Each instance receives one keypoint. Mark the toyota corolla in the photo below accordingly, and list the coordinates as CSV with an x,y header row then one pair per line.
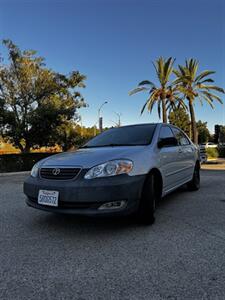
x,y
121,171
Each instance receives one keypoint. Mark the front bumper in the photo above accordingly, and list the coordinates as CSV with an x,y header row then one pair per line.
x,y
84,197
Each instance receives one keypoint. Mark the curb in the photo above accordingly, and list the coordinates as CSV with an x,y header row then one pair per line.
x,y
213,168
14,173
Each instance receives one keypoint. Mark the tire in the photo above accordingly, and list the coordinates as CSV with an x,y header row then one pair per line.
x,y
194,184
146,210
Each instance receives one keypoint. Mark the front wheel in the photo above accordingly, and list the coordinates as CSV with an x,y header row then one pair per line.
x,y
147,205
194,184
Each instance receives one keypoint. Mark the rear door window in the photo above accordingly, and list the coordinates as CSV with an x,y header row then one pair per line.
x,y
165,132
180,136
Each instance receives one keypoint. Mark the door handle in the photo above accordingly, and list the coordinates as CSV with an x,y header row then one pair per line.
x,y
180,151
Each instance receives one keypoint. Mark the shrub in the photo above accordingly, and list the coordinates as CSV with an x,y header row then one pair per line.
x,y
212,152
20,162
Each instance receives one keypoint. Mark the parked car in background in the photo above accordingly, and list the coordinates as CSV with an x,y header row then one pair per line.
x,y
122,171
207,149
203,154
209,145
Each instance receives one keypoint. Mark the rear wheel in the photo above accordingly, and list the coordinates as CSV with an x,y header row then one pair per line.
x,y
147,205
194,184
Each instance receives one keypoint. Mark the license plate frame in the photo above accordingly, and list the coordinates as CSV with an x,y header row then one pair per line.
x,y
49,198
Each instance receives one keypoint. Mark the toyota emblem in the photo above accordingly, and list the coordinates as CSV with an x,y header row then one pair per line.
x,y
56,172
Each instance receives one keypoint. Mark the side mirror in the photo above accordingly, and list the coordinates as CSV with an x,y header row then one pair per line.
x,y
167,142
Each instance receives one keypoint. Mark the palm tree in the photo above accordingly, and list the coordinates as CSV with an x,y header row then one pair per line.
x,y
195,86
162,95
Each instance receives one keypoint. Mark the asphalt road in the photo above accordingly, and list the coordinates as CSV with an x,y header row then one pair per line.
x,y
182,256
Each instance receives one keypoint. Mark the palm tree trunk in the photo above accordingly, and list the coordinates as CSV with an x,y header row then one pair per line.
x,y
164,110
193,123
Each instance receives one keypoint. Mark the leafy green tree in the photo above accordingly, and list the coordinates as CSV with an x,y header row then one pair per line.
x,y
163,94
180,118
87,132
68,136
35,101
203,132
196,86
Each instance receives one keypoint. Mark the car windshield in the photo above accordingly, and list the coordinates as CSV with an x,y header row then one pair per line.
x,y
124,136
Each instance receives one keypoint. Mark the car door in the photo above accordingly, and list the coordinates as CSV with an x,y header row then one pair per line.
x,y
186,155
168,157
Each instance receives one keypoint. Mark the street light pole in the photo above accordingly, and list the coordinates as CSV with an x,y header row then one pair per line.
x,y
119,118
99,116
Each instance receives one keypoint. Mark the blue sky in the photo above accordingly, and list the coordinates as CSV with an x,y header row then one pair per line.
x,y
114,42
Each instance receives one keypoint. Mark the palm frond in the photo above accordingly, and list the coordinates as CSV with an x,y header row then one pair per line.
x,y
212,96
203,75
181,103
177,73
208,100
144,106
137,90
159,69
150,104
168,68
206,80
191,68
146,82
177,102
182,70
195,86
184,80
182,89
164,68
212,87
200,100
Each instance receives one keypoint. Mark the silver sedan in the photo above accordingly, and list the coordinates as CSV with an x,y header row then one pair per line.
x,y
122,171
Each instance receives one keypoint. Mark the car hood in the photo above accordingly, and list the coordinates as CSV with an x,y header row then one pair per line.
x,y
89,157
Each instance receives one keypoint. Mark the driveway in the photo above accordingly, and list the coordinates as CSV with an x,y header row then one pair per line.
x,y
182,256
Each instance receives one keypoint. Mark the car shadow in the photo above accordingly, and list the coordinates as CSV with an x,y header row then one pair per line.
x,y
66,224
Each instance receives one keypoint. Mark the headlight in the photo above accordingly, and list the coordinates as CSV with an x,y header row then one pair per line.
x,y
110,168
34,171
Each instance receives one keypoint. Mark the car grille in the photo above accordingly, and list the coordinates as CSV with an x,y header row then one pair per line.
x,y
59,173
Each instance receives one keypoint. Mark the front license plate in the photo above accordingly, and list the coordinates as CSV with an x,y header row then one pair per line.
x,y
48,197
